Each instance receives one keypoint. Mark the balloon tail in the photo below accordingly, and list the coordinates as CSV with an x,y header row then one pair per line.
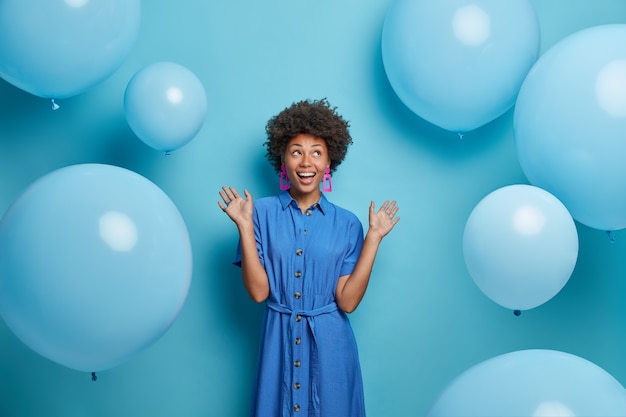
x,y
517,312
55,106
460,135
611,236
167,153
94,377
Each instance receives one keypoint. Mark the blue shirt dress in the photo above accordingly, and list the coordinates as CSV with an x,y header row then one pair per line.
x,y
308,362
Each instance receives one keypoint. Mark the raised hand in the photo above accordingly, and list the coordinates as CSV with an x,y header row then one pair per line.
x,y
383,220
238,208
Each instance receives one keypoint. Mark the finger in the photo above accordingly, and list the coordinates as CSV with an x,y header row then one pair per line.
x,y
234,193
386,207
226,194
222,206
247,194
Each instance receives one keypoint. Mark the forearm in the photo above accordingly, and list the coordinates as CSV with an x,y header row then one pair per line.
x,y
253,274
350,294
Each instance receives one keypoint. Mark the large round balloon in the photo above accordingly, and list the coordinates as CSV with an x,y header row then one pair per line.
x,y
569,124
165,105
57,49
532,382
520,246
95,265
459,64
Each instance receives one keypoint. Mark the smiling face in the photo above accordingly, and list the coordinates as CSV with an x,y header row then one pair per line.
x,y
306,159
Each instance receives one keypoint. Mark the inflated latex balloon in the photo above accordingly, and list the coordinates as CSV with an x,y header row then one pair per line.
x,y
520,246
569,124
165,105
58,49
535,382
459,64
95,265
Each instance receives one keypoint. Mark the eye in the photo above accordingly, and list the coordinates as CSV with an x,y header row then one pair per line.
x,y
296,153
317,153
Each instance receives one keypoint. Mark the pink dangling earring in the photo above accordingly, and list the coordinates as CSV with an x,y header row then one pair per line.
x,y
284,180
327,184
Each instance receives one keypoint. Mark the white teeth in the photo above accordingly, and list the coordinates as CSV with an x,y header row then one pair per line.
x,y
306,174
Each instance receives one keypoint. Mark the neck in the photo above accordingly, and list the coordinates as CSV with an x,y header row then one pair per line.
x,y
306,200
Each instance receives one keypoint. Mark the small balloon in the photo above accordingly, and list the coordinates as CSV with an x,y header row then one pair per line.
x,y
95,265
520,246
165,105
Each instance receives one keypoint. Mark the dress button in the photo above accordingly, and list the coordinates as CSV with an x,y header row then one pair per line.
x,y
298,274
297,295
296,408
305,231
296,385
299,252
298,317
297,364
308,212
298,340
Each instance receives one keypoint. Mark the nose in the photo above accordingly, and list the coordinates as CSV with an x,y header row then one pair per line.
x,y
305,161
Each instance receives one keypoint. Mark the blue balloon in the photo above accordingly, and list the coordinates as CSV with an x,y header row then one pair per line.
x,y
533,382
165,105
569,124
58,49
459,64
95,265
520,246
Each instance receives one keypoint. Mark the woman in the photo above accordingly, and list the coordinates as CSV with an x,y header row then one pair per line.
x,y
308,260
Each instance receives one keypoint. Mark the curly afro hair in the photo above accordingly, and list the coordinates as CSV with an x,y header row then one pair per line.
x,y
317,118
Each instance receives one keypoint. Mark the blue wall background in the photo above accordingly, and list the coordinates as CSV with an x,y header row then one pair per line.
x,y
423,320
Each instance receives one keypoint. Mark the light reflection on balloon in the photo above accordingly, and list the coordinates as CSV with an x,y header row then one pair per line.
x,y
471,25
611,88
118,231
76,3
174,95
553,409
528,220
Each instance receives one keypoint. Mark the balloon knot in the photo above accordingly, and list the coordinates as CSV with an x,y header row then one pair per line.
x,y
611,236
55,106
94,377
460,135
517,312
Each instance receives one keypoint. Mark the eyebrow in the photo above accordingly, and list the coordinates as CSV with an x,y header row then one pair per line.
x,y
300,145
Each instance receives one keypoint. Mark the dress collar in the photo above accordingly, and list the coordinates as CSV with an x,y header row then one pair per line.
x,y
286,199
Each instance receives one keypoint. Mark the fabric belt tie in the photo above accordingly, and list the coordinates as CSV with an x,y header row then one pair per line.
x,y
288,366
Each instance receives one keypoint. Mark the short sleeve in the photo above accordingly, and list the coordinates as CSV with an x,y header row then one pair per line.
x,y
355,244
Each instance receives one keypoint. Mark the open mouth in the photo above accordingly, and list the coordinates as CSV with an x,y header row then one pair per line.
x,y
306,177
